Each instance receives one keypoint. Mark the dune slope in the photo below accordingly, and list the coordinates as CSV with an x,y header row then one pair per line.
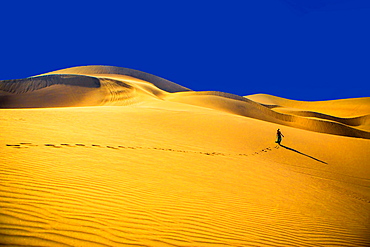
x,y
97,70
354,127
139,165
108,85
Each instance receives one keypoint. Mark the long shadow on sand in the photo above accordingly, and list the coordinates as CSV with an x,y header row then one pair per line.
x,y
291,149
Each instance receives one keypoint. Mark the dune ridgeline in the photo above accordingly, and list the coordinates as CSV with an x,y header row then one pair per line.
x,y
110,156
107,85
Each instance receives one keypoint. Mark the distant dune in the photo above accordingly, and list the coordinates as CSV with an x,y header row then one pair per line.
x,y
108,156
108,85
100,71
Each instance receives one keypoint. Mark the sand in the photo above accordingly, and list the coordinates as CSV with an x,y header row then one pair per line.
x,y
110,159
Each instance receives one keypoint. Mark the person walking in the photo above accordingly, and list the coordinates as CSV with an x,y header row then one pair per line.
x,y
279,136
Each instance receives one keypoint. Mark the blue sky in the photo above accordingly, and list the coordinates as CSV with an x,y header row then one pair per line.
x,y
297,49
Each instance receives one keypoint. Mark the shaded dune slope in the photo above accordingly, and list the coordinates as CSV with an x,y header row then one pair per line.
x,y
345,108
108,85
65,90
245,107
97,70
19,86
49,91
353,112
354,121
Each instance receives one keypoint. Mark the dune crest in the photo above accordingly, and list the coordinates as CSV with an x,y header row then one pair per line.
x,y
354,127
109,85
97,70
345,108
147,162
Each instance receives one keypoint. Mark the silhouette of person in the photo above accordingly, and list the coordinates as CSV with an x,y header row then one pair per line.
x,y
279,136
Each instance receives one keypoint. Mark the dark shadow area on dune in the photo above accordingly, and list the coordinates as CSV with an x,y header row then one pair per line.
x,y
291,149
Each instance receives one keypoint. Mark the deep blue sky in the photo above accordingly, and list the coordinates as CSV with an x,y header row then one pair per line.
x,y
297,49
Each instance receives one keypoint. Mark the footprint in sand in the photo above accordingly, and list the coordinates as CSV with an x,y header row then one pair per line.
x,y
52,145
22,145
28,144
15,146
112,147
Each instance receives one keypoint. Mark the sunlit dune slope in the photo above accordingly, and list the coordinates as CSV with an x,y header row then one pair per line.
x,y
108,85
100,71
355,127
147,162
74,90
350,112
345,108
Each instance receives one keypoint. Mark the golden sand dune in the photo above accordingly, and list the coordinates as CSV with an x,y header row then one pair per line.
x,y
350,112
73,89
354,127
150,163
118,71
340,108
108,85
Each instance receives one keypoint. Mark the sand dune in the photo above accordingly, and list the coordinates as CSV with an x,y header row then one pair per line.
x,y
345,108
248,108
72,90
49,91
108,85
147,162
112,70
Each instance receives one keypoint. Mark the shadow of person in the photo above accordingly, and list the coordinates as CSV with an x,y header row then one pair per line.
x,y
291,149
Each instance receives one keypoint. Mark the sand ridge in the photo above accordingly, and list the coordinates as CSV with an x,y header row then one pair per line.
x,y
108,85
96,70
354,127
129,162
344,108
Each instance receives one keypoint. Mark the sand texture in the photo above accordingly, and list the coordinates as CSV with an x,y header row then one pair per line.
x,y
108,156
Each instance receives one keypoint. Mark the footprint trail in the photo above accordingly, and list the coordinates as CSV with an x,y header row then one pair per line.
x,y
81,145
